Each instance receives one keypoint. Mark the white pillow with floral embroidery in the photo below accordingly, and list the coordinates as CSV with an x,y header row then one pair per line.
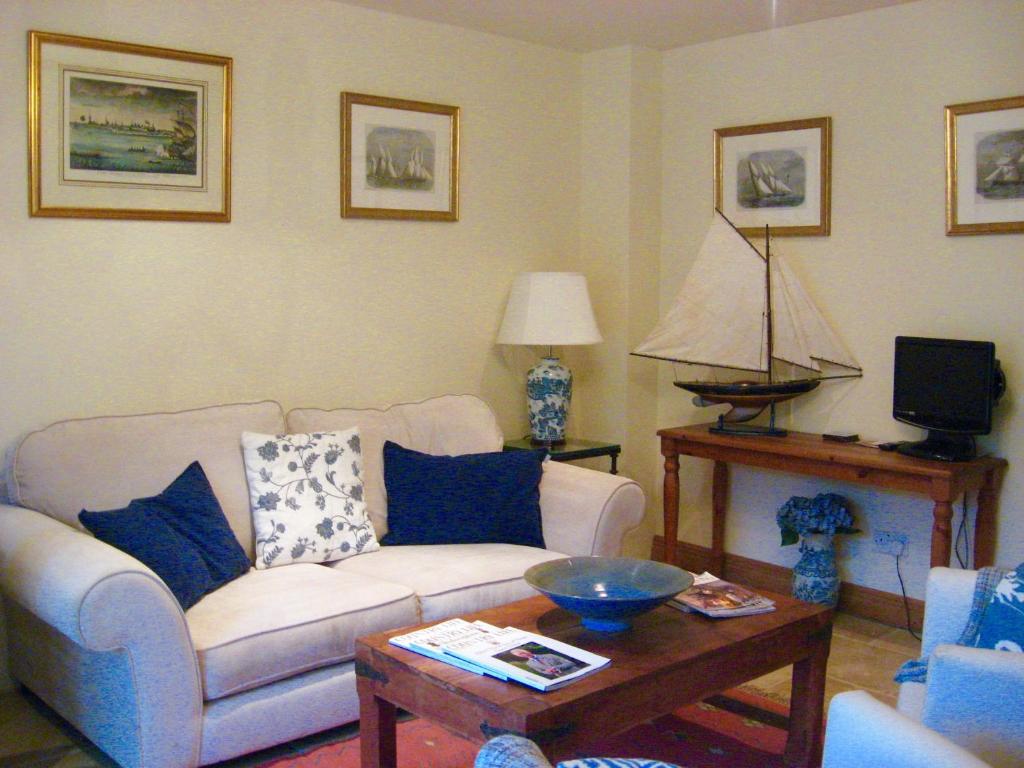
x,y
306,493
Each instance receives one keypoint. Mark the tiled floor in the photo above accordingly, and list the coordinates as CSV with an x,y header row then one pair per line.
x,y
864,656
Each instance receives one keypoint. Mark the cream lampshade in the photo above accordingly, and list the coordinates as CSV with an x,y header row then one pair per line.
x,y
549,309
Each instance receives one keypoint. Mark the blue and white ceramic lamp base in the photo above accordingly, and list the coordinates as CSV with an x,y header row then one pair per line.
x,y
548,394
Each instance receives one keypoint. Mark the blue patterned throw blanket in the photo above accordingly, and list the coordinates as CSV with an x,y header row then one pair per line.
x,y
916,670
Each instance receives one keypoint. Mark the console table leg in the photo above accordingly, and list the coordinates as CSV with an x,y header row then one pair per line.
x,y
719,501
670,503
985,523
942,533
377,734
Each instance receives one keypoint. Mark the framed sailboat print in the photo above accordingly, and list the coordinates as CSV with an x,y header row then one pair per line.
x,y
399,159
123,131
985,167
776,174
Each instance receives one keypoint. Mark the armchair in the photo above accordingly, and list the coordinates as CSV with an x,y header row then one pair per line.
x,y
863,731
968,714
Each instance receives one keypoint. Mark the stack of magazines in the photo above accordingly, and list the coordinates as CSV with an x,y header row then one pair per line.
x,y
713,597
507,654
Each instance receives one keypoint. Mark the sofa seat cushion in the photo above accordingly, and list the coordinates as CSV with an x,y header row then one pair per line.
x,y
271,624
911,700
453,579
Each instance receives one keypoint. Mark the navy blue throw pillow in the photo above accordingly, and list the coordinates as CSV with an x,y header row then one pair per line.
x,y
181,534
190,507
142,532
476,498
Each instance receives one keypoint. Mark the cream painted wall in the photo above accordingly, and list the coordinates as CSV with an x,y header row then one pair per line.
x,y
887,268
289,301
619,218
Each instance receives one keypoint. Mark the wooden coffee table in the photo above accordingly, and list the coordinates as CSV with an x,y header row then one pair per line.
x,y
666,660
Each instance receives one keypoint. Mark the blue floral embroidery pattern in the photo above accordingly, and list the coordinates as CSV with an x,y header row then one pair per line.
x,y
1002,625
313,485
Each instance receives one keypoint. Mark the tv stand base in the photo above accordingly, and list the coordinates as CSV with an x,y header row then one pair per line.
x,y
941,446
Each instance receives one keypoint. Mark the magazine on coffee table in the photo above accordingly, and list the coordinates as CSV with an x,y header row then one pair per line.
x,y
714,597
534,660
430,642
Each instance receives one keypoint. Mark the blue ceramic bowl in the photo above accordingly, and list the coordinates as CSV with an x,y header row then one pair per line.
x,y
607,592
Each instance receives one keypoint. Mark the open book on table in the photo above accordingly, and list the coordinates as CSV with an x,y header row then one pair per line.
x,y
714,597
508,654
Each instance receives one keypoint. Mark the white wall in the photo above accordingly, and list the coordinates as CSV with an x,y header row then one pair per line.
x,y
619,234
887,268
289,300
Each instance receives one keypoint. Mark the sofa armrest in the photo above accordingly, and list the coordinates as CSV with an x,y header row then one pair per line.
x,y
586,512
948,597
974,697
863,731
108,604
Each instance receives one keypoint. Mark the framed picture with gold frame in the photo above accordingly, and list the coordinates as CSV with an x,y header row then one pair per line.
x,y
399,159
985,167
124,131
776,174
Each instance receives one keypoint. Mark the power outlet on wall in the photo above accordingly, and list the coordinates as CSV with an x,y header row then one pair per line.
x,y
891,543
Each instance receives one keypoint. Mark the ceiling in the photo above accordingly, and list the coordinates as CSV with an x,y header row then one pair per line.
x,y
590,25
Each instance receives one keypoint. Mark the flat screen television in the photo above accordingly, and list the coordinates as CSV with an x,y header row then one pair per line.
x,y
948,387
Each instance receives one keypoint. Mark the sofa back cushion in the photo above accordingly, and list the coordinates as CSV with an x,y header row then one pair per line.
x,y
446,425
105,462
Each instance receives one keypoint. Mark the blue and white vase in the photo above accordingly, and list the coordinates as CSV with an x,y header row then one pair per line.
x,y
815,578
548,392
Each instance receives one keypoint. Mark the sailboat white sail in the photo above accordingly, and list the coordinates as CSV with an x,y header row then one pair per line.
x,y
741,310
1006,171
717,318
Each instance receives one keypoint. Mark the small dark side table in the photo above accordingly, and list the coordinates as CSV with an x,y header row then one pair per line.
x,y
571,450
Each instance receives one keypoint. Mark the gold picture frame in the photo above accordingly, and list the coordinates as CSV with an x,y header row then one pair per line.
x,y
399,159
985,167
776,174
124,131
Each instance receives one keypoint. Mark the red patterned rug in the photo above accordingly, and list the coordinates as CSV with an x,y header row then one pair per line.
x,y
695,736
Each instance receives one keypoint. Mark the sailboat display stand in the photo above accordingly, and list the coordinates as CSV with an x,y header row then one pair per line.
x,y
723,427
741,310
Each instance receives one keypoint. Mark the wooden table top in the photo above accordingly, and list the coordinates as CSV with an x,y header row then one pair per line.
x,y
803,445
666,649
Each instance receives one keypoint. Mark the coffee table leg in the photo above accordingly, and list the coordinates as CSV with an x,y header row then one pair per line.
x,y
807,709
376,732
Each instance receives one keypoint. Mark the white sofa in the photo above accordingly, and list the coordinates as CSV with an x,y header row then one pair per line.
x,y
268,657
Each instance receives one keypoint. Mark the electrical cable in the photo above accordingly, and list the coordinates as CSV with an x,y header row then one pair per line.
x,y
906,601
962,534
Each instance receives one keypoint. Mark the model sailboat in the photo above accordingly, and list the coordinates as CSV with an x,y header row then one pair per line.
x,y
745,311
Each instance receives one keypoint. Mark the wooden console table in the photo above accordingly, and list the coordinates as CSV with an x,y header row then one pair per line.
x,y
807,454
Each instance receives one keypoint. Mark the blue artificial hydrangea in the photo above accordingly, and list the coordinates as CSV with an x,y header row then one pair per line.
x,y
825,513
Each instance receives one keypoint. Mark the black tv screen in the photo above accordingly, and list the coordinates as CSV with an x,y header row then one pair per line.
x,y
944,384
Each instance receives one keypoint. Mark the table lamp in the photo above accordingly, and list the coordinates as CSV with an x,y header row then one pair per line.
x,y
549,309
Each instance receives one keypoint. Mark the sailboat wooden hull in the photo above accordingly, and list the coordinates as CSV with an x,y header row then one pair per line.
x,y
748,394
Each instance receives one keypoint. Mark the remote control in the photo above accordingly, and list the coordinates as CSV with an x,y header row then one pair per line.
x,y
890,446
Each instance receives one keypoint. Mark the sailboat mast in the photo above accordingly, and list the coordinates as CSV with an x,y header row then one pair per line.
x,y
768,299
